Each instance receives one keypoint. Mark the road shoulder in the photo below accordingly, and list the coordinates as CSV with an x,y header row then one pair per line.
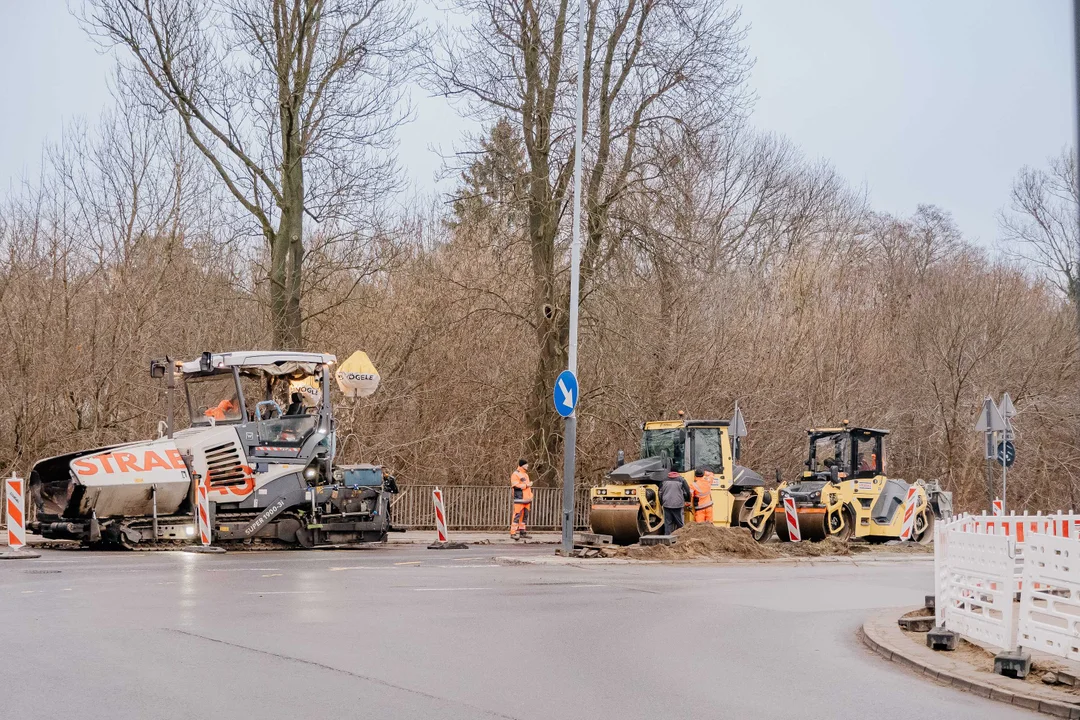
x,y
881,634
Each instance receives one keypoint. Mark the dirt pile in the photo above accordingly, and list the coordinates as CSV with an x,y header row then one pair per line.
x,y
828,546
700,541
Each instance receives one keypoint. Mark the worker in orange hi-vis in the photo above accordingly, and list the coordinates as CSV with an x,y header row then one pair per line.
x,y
523,495
702,492
224,410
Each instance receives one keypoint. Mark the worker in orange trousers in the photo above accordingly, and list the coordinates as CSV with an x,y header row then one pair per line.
x,y
523,495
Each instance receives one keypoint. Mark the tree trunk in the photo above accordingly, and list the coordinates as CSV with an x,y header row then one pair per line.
x,y
549,309
286,256
545,432
287,260
279,256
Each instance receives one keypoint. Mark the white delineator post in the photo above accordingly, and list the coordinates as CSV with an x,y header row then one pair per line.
x,y
792,517
440,515
16,512
205,531
909,513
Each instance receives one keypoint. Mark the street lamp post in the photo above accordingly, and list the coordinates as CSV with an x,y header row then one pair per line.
x,y
570,428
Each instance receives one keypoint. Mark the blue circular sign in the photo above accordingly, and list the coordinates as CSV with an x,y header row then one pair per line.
x,y
566,393
1006,453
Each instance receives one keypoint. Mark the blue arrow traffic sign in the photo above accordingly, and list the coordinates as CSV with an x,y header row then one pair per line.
x,y
1006,453
566,393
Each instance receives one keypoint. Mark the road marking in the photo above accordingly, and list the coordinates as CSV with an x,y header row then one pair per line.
x,y
273,575
448,589
587,586
287,592
413,562
463,567
361,567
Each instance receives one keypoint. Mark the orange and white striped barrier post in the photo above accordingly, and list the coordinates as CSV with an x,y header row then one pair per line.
x,y
206,533
791,515
16,513
999,508
15,508
909,513
203,526
440,515
442,541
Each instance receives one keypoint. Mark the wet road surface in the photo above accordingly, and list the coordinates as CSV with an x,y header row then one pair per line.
x,y
404,632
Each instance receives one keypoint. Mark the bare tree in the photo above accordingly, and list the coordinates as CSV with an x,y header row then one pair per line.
x,y
1042,221
292,102
654,69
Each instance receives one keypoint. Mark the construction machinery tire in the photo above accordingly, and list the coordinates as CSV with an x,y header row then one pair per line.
x,y
767,531
923,532
843,534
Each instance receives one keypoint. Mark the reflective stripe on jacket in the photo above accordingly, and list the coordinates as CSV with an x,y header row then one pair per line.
x,y
703,491
522,486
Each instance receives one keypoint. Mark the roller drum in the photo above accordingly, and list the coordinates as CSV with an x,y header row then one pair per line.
x,y
621,522
811,525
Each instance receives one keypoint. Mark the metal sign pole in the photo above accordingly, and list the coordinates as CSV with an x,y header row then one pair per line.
x,y
570,432
1008,412
1076,73
1004,474
991,422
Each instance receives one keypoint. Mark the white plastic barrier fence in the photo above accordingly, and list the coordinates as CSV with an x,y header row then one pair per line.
x,y
981,564
941,577
1050,600
977,588
15,502
1018,527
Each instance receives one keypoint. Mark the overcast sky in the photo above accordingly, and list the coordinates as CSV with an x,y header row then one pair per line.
x,y
918,101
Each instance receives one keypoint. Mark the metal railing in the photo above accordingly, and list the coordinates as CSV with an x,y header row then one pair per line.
x,y
473,507
476,507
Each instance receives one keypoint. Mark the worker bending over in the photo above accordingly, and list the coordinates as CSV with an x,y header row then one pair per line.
x,y
523,495
674,495
702,493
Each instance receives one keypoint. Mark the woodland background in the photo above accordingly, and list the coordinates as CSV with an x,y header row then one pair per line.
x,y
722,266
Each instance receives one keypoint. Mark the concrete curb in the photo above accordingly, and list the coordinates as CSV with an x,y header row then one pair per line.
x,y
862,559
898,648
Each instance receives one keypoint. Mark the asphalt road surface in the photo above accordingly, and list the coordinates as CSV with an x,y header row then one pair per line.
x,y
404,632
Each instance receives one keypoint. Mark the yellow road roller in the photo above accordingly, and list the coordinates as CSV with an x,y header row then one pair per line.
x,y
627,505
845,491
